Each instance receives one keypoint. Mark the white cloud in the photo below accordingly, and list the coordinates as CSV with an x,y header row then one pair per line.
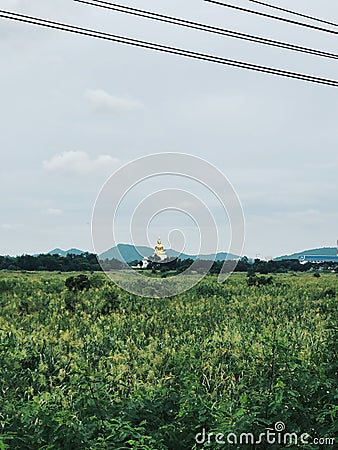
x,y
6,226
101,101
79,162
54,212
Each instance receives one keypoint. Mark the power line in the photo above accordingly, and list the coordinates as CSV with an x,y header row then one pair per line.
x,y
203,27
295,13
162,48
269,16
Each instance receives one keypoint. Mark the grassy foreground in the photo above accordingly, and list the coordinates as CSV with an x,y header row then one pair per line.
x,y
104,369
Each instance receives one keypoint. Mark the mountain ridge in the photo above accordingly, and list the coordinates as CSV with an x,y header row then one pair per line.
x,y
71,251
321,251
129,253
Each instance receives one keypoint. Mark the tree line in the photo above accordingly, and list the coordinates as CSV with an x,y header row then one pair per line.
x,y
89,262
47,262
245,265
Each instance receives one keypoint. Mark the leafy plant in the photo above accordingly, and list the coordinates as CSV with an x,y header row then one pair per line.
x,y
77,283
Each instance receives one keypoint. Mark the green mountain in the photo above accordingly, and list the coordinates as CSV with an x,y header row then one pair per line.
x,y
71,251
324,251
128,253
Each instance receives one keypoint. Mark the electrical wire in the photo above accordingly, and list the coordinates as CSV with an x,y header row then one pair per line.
x,y
269,16
295,13
203,27
162,48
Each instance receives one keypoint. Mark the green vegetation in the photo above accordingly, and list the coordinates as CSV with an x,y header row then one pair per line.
x,y
99,368
88,262
70,262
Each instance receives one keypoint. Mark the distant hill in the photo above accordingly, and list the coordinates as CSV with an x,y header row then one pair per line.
x,y
128,253
220,256
324,251
71,251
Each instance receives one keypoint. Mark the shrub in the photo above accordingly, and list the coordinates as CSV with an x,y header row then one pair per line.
x,y
77,283
254,280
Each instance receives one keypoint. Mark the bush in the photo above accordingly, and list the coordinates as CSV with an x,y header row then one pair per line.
x,y
254,280
111,301
77,283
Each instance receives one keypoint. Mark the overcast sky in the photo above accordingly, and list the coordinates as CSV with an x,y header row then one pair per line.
x,y
74,109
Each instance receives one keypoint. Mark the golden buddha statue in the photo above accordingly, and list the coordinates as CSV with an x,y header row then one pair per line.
x,y
159,249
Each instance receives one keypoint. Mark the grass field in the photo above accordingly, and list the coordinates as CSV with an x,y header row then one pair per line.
x,y
105,369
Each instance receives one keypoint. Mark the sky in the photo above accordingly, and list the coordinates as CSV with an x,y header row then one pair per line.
x,y
75,109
